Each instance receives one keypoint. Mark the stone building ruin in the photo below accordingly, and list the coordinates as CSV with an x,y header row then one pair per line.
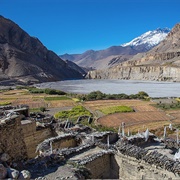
x,y
36,143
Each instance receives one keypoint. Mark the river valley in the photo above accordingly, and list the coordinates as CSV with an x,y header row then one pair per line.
x,y
153,88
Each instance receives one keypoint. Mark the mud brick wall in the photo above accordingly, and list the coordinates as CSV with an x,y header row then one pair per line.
x,y
100,167
33,137
64,143
131,168
12,140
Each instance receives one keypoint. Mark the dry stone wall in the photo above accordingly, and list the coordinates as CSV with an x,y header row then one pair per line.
x,y
152,165
34,139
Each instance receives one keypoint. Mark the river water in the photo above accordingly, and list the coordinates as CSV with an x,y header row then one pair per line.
x,y
153,88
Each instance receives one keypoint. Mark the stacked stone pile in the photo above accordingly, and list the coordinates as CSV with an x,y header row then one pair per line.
x,y
140,140
171,143
8,107
7,172
7,122
102,134
153,158
104,146
131,150
41,117
66,152
43,162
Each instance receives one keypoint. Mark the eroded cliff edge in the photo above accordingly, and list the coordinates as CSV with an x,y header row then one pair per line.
x,y
153,73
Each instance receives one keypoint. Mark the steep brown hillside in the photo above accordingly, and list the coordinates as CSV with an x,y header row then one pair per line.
x,y
25,59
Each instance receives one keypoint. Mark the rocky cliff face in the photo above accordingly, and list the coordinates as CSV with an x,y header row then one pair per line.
x,y
153,73
162,63
26,59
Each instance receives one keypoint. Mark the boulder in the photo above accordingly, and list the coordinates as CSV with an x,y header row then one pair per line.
x,y
12,173
5,157
24,175
3,172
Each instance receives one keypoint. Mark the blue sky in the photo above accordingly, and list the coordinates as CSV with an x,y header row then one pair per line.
x,y
74,26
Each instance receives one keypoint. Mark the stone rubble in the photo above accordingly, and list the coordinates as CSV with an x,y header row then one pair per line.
x,y
171,143
11,173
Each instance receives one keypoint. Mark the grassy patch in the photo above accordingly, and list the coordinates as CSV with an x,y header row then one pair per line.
x,y
116,109
73,113
10,93
4,103
35,110
76,99
55,98
167,106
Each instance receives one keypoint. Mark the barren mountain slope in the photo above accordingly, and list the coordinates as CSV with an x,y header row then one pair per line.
x,y
95,59
116,54
26,59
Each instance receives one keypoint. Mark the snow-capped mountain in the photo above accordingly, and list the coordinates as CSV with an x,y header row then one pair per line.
x,y
116,54
149,39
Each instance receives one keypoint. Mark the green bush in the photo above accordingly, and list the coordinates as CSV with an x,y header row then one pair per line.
x,y
42,109
95,95
36,91
54,92
98,95
21,87
166,106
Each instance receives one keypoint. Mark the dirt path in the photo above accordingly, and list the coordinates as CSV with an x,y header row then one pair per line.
x,y
53,111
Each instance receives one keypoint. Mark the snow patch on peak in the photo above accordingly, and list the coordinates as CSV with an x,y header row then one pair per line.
x,y
150,38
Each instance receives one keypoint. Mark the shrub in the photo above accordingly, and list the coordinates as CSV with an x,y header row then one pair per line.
x,y
36,91
95,95
54,91
42,109
98,95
